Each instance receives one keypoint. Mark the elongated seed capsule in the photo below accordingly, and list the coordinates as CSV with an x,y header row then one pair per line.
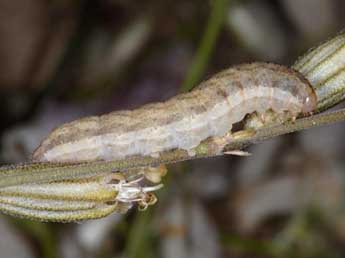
x,y
185,120
99,211
96,189
62,201
33,203
324,67
77,199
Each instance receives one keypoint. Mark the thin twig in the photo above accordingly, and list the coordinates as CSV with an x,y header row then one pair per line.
x,y
48,172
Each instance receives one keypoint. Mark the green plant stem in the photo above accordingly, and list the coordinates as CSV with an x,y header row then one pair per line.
x,y
138,237
42,232
208,41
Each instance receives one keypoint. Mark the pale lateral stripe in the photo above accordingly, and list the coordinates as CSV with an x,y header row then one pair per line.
x,y
185,126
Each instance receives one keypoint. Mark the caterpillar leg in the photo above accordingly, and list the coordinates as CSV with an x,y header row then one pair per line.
x,y
238,153
258,120
245,133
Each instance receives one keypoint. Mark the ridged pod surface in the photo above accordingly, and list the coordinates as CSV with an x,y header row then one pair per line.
x,y
324,67
72,200
63,201
99,211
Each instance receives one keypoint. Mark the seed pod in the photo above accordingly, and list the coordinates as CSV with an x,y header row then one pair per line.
x,y
99,211
77,199
324,67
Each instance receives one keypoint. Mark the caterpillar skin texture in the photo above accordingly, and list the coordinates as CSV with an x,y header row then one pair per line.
x,y
184,120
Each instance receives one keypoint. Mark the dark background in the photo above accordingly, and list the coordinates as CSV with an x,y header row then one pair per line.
x,y
60,60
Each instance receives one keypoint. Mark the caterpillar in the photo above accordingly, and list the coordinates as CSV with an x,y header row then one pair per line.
x,y
182,122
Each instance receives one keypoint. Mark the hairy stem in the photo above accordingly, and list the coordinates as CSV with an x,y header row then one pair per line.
x,y
48,172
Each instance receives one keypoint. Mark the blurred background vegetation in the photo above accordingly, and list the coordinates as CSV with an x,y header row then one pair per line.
x,y
60,60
